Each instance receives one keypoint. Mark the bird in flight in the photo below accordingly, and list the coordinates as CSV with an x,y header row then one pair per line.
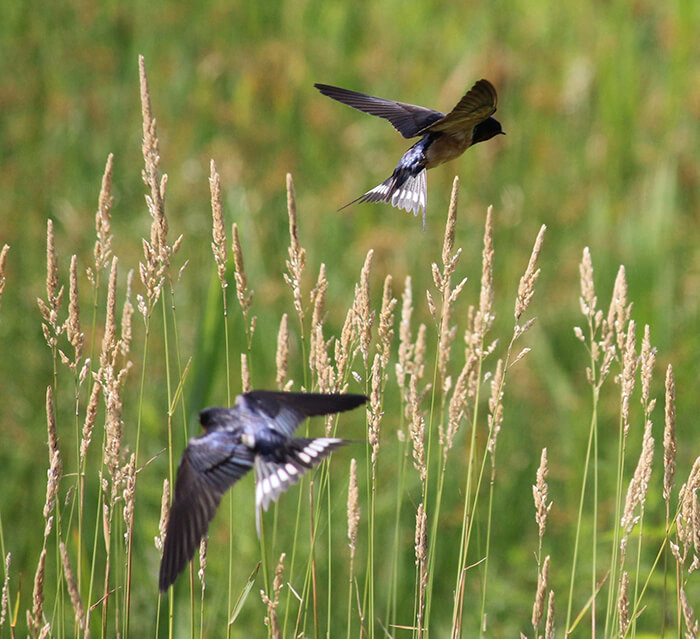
x,y
444,138
256,432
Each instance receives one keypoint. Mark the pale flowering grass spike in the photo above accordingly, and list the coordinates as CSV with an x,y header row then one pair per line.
x,y
670,444
538,606
102,250
5,598
3,263
272,602
296,262
218,228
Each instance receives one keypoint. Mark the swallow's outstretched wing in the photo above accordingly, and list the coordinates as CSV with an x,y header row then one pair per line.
x,y
210,465
408,119
284,411
478,104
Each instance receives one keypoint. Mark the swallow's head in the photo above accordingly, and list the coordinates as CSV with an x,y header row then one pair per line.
x,y
215,418
486,130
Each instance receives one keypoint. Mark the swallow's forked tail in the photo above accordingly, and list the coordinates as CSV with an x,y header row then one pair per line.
x,y
410,194
274,476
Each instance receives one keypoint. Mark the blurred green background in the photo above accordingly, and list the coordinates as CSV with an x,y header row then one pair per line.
x,y
600,102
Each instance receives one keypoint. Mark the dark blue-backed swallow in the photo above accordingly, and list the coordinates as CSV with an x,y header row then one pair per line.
x,y
444,138
258,431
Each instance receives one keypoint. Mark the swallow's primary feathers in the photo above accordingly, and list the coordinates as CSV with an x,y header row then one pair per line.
x,y
444,137
257,432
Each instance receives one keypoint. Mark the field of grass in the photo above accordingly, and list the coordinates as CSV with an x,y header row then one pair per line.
x,y
469,380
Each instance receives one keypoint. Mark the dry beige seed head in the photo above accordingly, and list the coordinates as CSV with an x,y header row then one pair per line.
x,y
421,551
526,288
218,231
318,298
72,324
129,496
114,425
271,620
109,339
623,604
52,484
669,435
495,418
150,147
89,424
648,360
588,299
246,385
362,308
688,518
36,618
164,513
156,250
416,427
419,350
540,492
245,297
421,535
446,332
353,508
619,312
127,316
202,562
549,624
638,487
51,264
484,316
374,410
103,219
629,369
77,602
282,353
318,304
297,255
344,347
51,423
3,262
538,605
320,362
606,347
457,408
54,295
691,624
451,225
386,323
5,590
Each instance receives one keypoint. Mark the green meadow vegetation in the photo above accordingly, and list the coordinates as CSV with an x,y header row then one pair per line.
x,y
528,463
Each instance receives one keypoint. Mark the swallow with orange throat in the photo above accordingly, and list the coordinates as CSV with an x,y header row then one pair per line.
x,y
444,137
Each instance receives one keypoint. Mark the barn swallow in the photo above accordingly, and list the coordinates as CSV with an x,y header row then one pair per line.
x,y
444,138
258,431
